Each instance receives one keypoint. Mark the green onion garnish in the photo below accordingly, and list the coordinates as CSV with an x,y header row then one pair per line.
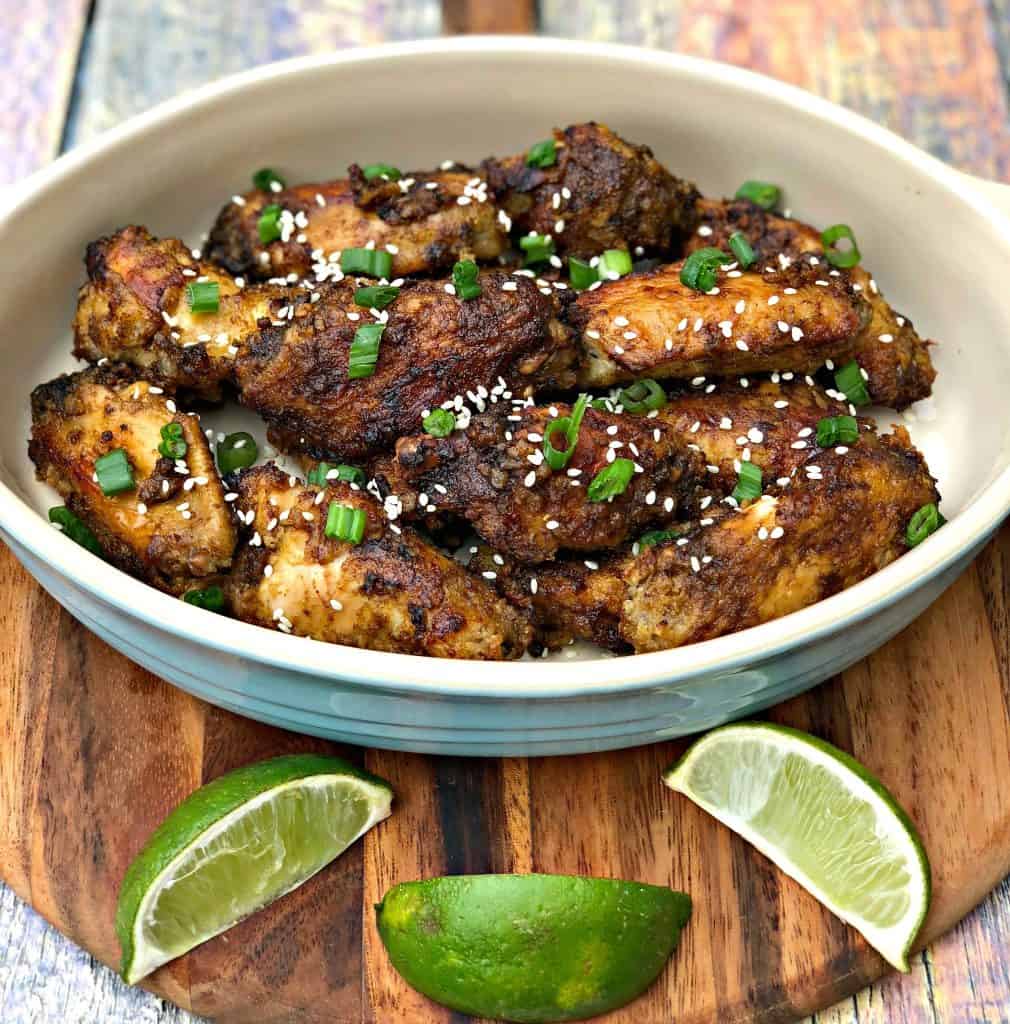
x,y
264,179
345,523
173,445
385,171
364,351
614,263
542,154
236,451
837,430
741,249
838,257
269,223
75,529
115,474
926,521
748,484
439,423
642,396
203,296
320,476
373,262
581,274
611,481
211,599
657,537
558,458
849,380
464,280
699,269
538,248
375,296
761,193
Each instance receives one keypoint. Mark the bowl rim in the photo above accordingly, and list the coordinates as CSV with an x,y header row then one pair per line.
x,y
530,680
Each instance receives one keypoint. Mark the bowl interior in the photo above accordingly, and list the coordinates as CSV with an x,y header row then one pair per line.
x,y
938,259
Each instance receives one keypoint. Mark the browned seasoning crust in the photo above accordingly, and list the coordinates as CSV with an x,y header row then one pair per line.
x,y
427,226
391,592
900,370
618,195
81,416
494,475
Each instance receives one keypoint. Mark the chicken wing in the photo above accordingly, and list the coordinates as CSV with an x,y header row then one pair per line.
x,y
494,475
174,527
651,324
601,193
390,592
427,221
888,348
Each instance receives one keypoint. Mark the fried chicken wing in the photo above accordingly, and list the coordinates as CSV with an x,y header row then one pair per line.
x,y
494,475
888,348
390,592
601,193
427,221
174,529
651,324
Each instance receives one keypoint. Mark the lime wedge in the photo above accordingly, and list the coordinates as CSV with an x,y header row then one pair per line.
x,y
822,818
236,845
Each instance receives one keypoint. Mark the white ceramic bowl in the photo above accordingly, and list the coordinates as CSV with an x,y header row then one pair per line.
x,y
938,241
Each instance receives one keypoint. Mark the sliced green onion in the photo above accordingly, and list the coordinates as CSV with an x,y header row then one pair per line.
x,y
761,193
611,481
439,423
269,224
385,171
741,249
345,523
114,472
748,484
838,257
264,179
837,430
75,529
211,599
558,458
236,451
849,380
581,274
926,521
364,351
203,296
538,248
657,537
373,262
464,280
642,396
542,154
320,476
614,263
173,445
699,269
375,296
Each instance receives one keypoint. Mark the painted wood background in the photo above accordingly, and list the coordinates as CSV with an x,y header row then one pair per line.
x,y
938,73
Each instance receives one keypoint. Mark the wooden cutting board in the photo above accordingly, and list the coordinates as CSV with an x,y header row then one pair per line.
x,y
95,751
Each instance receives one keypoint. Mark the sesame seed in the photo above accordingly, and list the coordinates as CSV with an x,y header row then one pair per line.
x,y
798,445
531,478
742,345
755,435
650,498
776,533
797,333
886,338
695,564
489,575
534,586
509,286
552,524
781,404
763,533
268,570
805,432
705,231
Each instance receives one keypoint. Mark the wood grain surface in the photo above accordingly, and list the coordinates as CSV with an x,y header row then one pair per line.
x,y
914,711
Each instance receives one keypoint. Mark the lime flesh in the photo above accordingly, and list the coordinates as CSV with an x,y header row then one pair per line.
x,y
236,845
822,818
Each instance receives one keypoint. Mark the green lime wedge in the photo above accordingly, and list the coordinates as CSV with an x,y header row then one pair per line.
x,y
822,818
236,845
531,948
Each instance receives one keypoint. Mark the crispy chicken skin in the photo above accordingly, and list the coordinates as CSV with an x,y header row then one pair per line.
x,y
494,475
434,346
81,416
650,324
739,570
133,309
611,194
391,592
428,227
888,348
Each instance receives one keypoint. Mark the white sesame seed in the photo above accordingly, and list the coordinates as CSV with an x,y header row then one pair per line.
x,y
797,333
534,586
530,478
705,231
777,532
695,564
509,286
552,524
798,445
886,338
